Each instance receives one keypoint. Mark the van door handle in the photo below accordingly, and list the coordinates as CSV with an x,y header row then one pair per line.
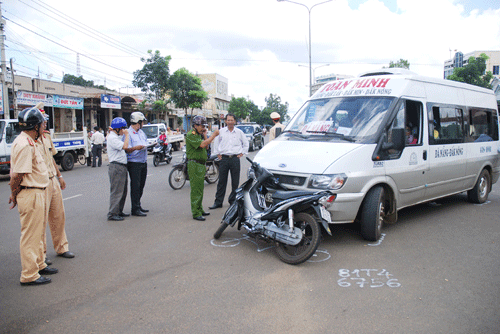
x,y
425,155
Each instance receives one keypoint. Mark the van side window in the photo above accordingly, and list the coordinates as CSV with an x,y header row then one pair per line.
x,y
447,125
11,132
408,117
483,125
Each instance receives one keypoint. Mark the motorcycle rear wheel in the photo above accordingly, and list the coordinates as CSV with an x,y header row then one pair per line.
x,y
308,245
221,229
212,174
177,178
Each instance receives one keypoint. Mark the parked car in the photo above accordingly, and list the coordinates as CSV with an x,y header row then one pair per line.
x,y
254,134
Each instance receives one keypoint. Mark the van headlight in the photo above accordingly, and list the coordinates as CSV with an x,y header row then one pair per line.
x,y
332,182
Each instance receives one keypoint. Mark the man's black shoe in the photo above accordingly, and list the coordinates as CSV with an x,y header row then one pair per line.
x,y
205,214
215,206
115,218
144,210
123,214
41,280
139,213
48,271
48,262
67,255
200,218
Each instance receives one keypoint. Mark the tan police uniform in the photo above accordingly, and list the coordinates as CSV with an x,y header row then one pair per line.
x,y
55,206
27,158
272,132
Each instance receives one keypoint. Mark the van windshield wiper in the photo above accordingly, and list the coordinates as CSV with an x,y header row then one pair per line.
x,y
297,133
334,134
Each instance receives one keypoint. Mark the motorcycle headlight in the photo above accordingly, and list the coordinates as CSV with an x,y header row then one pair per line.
x,y
331,182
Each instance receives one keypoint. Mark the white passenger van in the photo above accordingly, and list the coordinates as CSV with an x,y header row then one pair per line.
x,y
387,140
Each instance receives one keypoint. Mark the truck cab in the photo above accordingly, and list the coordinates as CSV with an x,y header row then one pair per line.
x,y
9,130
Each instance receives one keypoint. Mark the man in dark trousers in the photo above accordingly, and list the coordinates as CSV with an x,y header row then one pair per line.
x,y
230,146
97,141
137,156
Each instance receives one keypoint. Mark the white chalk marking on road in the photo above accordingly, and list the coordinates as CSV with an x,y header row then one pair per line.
x,y
72,197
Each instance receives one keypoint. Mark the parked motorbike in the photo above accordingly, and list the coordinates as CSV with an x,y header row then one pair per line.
x,y
269,210
162,153
179,173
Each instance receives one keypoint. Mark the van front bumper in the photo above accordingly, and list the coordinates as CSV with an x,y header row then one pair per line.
x,y
345,207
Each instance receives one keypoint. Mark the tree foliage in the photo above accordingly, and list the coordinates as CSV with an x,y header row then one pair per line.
x,y
153,78
273,103
80,81
240,107
186,90
474,72
401,63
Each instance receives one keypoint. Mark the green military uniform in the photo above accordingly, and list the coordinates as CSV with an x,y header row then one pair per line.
x,y
197,156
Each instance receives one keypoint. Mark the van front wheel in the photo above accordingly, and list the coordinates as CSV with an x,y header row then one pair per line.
x,y
373,213
479,194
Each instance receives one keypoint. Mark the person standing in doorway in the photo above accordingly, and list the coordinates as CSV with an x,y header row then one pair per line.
x,y
137,165
117,168
29,178
53,193
196,153
230,146
97,141
277,128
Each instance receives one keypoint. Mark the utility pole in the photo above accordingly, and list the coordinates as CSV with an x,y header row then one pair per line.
x,y
14,95
5,112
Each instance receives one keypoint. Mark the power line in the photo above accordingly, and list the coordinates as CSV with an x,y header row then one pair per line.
x,y
98,35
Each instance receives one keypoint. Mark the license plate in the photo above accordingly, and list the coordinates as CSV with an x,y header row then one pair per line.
x,y
325,214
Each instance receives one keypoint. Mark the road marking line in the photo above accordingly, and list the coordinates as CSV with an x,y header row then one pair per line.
x,y
72,197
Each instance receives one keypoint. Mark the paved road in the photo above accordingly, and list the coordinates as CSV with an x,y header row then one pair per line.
x,y
435,271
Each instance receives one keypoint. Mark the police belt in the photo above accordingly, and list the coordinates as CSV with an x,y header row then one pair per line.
x,y
24,187
118,163
197,161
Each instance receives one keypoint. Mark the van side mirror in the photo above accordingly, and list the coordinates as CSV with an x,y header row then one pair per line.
x,y
397,142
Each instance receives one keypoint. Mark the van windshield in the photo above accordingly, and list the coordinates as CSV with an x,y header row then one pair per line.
x,y
352,118
150,131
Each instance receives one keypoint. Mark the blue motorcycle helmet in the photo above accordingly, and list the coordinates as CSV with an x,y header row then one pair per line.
x,y
118,123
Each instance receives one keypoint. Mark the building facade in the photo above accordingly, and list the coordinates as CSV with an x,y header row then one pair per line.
x,y
460,60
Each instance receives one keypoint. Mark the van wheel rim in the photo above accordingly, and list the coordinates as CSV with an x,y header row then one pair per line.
x,y
380,218
483,187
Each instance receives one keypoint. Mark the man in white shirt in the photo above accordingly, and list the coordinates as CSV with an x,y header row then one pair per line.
x,y
118,141
97,141
230,146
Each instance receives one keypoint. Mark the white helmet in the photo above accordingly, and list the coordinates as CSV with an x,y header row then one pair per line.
x,y
275,115
136,117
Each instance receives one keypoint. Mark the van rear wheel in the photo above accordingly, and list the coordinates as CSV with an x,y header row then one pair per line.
x,y
373,213
479,194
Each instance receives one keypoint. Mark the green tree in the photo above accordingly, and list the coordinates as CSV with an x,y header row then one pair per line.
x,y
239,106
186,90
80,81
153,78
402,63
273,103
474,72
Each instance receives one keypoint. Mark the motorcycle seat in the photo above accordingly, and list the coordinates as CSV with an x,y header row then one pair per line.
x,y
282,195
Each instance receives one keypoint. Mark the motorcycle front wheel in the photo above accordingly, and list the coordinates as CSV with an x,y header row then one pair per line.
x,y
177,178
311,237
156,160
212,174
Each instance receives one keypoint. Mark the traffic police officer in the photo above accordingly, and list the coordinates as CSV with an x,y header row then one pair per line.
x,y
277,128
29,178
56,215
196,153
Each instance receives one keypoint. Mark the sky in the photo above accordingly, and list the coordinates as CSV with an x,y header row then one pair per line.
x,y
260,46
